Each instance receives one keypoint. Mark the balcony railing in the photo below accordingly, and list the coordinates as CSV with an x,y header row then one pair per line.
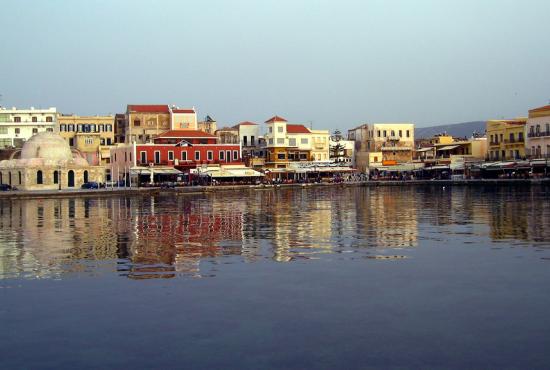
x,y
494,143
393,138
538,134
514,141
395,148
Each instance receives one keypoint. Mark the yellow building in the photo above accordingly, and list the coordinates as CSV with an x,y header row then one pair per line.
x,y
287,143
506,138
92,136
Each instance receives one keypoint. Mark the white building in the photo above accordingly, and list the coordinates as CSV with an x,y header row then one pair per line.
x,y
18,125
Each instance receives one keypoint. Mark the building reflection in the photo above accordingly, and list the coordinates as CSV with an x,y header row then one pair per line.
x,y
162,237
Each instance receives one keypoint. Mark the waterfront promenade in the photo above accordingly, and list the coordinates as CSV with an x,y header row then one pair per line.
x,y
199,189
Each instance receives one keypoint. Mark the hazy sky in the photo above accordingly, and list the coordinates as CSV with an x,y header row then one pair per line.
x,y
335,63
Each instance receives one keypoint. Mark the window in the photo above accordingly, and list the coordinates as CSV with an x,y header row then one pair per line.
x,y
378,133
71,141
34,130
143,157
271,141
392,133
89,141
491,138
245,140
197,155
400,133
55,177
512,137
137,122
20,178
3,130
210,155
228,155
303,156
221,155
183,155
408,133
151,122
281,156
157,157
235,155
280,141
102,141
109,128
17,130
49,129
304,140
547,129
49,119
62,128
520,136
252,139
39,179
292,141
16,119
280,129
125,156
170,155
270,129
34,119
537,129
384,133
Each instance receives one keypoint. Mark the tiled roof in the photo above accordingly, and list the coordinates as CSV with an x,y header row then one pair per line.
x,y
276,119
183,110
182,134
246,123
540,109
297,129
158,108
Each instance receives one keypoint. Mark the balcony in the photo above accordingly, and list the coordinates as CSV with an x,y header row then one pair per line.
x,y
393,138
514,141
538,134
494,143
319,145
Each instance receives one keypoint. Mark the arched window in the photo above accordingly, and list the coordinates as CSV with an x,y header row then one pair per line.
x,y
39,179
19,177
85,176
55,177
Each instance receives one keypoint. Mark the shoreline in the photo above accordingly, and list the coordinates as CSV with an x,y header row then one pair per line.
x,y
194,190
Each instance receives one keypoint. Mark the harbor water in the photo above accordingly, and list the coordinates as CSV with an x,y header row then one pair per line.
x,y
325,277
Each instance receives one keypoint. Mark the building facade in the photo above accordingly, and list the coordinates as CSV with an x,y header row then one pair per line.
x,y
183,118
506,139
19,125
209,125
537,129
92,136
144,122
380,144
287,143
179,150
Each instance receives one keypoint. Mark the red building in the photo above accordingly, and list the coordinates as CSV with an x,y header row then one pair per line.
x,y
174,152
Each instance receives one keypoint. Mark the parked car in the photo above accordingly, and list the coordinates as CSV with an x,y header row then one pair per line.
x,y
90,185
6,187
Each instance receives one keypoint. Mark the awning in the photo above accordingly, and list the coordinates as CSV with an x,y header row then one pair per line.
x,y
424,150
156,171
449,147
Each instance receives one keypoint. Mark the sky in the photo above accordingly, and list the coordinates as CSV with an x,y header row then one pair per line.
x,y
330,64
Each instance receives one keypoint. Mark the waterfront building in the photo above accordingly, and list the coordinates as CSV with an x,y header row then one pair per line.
x,y
19,125
46,162
252,144
209,125
228,135
380,144
183,118
444,149
506,138
92,136
142,123
287,143
537,141
171,155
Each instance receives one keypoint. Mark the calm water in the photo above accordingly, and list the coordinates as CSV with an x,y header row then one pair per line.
x,y
419,277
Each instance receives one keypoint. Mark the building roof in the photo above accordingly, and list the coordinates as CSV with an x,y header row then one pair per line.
x,y
276,119
157,108
246,123
183,110
183,134
297,129
540,109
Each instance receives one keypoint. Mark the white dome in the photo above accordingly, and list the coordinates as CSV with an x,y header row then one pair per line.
x,y
47,145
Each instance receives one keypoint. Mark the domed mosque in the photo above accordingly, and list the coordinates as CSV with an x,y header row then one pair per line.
x,y
47,163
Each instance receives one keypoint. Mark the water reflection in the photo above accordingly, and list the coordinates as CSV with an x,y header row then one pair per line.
x,y
163,237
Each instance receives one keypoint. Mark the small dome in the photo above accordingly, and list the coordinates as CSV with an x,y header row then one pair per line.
x,y
47,145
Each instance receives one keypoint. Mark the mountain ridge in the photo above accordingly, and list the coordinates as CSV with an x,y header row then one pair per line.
x,y
462,129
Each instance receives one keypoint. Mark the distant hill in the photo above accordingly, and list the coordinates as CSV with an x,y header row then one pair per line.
x,y
464,129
